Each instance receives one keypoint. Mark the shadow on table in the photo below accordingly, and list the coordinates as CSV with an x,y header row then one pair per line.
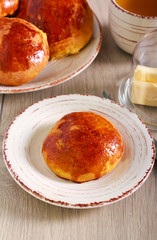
x,y
155,167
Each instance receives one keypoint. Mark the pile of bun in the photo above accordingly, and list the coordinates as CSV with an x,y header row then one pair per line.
x,y
32,32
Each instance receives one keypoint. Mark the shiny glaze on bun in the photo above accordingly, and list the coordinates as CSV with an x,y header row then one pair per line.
x,y
24,51
68,24
8,7
82,146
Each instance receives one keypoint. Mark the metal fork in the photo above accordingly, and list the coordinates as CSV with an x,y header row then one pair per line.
x,y
155,141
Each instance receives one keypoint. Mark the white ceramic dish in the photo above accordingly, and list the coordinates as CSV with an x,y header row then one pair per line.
x,y
128,28
59,71
22,153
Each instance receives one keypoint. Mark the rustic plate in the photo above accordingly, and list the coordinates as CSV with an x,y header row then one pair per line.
x,y
59,71
22,153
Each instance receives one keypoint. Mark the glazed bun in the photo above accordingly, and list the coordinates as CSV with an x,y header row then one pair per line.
x,y
68,24
82,146
8,7
24,51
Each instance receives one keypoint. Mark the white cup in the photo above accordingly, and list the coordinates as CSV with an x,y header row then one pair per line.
x,y
128,28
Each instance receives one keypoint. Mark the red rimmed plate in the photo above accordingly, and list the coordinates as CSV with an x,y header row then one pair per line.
x,y
22,153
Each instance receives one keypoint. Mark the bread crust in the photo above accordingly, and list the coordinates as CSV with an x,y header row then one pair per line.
x,y
82,146
8,7
24,51
68,24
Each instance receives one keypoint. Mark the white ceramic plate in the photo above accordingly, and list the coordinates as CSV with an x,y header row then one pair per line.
x,y
59,71
23,158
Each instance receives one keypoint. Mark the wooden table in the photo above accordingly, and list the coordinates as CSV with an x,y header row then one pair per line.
x,y
23,217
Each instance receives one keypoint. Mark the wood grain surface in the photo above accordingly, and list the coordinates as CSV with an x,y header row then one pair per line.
x,y
23,217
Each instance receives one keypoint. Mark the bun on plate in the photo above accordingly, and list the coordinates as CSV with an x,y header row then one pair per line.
x,y
24,51
82,146
68,24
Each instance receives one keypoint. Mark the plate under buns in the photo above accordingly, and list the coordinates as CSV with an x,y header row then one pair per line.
x,y
23,143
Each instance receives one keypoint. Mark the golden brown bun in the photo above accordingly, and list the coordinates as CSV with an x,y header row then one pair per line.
x,y
24,51
8,7
68,24
82,146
